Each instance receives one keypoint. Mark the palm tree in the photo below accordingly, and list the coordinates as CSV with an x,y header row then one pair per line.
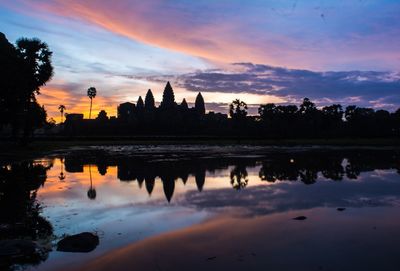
x,y
91,93
62,108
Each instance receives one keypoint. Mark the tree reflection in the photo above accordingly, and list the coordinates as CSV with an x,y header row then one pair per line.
x,y
91,193
238,177
62,175
332,165
20,212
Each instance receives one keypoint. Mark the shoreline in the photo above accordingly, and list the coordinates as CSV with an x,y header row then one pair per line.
x,y
43,146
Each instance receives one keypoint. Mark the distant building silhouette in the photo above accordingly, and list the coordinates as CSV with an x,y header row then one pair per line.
x,y
199,105
273,121
140,104
74,117
145,118
149,103
126,111
168,100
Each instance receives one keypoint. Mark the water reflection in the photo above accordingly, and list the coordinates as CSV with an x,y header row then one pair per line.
x,y
304,166
92,192
62,175
239,178
132,196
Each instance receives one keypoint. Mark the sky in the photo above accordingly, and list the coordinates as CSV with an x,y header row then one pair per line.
x,y
260,51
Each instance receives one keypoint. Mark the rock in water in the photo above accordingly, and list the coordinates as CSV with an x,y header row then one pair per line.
x,y
300,218
82,242
341,209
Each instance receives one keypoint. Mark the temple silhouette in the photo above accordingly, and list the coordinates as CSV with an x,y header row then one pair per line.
x,y
145,117
169,118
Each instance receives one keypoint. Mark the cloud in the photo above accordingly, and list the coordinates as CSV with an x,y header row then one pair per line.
x,y
371,191
352,35
364,88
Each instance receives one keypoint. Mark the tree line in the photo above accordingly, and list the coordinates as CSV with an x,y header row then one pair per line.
x,y
307,120
24,69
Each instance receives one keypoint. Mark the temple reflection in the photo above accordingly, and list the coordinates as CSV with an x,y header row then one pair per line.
x,y
306,167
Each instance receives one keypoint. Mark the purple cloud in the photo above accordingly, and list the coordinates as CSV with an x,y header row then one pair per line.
x,y
364,88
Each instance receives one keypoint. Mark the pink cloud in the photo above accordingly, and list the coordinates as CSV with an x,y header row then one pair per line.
x,y
223,32
153,23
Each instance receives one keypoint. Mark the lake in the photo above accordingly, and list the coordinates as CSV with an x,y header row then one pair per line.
x,y
193,207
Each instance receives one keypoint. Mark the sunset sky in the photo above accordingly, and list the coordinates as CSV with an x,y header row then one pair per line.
x,y
332,51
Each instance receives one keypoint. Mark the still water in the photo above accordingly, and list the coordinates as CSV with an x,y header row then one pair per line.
x,y
209,207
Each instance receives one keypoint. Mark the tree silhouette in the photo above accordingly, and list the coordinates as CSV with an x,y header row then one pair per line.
x,y
333,112
62,108
238,110
102,116
38,61
278,119
21,212
310,118
307,107
149,102
24,68
91,93
359,120
35,119
199,104
267,111
9,81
